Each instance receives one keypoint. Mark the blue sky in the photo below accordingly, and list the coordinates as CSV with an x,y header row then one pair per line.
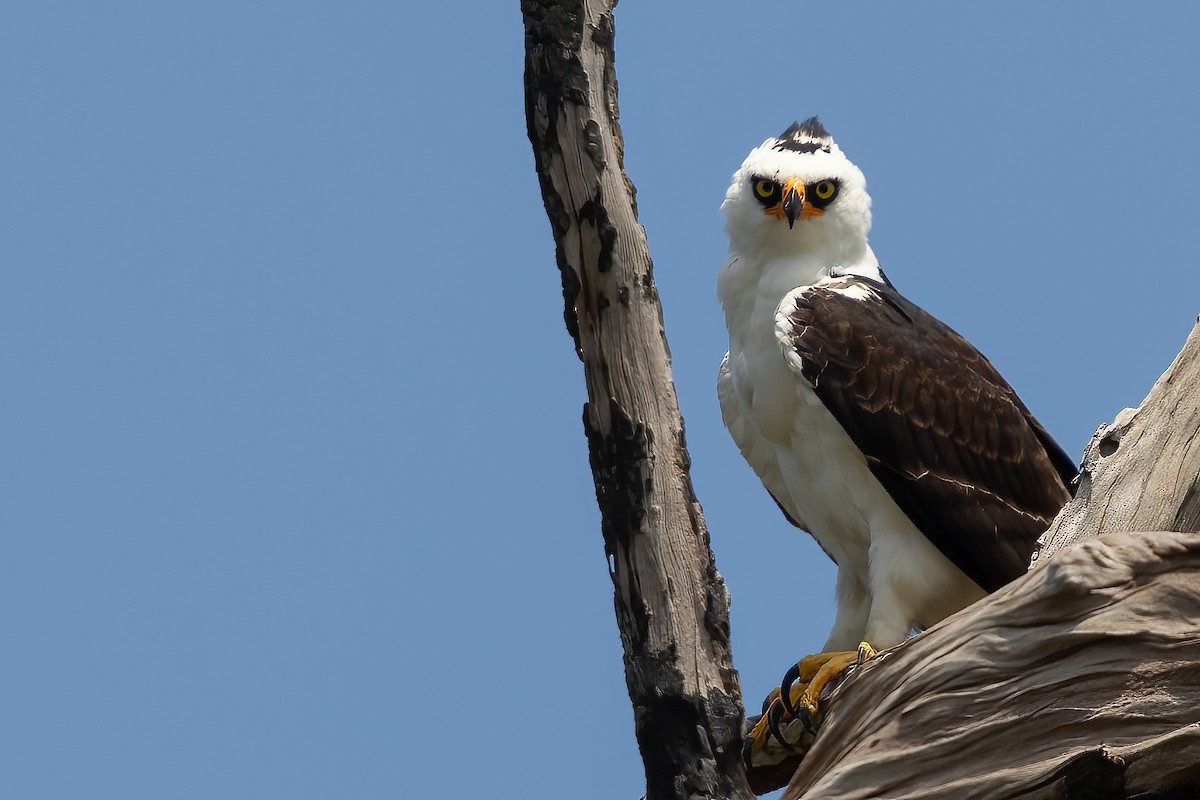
x,y
296,497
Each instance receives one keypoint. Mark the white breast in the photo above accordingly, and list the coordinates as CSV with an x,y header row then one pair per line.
x,y
891,579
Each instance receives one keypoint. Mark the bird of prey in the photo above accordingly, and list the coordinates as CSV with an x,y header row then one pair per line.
x,y
875,427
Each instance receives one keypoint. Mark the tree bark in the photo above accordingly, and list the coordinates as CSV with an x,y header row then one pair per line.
x,y
671,604
1079,680
1139,473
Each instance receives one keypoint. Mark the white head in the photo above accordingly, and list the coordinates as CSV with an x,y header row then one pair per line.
x,y
798,195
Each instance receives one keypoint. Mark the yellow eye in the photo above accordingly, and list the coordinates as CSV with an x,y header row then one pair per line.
x,y
764,188
825,189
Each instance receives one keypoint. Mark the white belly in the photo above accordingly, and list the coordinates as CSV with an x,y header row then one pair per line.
x,y
891,579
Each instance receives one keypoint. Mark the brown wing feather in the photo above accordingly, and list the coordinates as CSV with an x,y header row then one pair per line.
x,y
943,432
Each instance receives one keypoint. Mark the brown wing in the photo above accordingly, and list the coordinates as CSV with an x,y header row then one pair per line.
x,y
943,432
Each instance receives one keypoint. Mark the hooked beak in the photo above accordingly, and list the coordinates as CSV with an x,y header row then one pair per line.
x,y
793,200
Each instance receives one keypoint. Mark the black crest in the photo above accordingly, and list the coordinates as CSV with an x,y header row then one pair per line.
x,y
805,137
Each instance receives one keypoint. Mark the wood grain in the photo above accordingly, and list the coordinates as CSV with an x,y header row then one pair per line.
x,y
1081,679
671,604
1060,682
1141,471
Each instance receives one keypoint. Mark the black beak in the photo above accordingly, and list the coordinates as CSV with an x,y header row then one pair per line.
x,y
793,202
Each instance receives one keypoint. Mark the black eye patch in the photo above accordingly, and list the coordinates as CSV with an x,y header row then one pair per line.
x,y
766,191
822,193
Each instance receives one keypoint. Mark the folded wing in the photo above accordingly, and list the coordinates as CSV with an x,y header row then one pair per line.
x,y
942,431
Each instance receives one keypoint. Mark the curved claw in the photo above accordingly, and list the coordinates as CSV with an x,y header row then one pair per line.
x,y
785,688
770,698
774,713
805,718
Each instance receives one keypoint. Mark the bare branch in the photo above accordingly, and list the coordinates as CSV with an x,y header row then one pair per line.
x,y
1081,679
1028,693
1141,472
671,604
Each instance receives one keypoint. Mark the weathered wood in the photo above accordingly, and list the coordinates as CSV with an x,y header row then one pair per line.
x,y
1053,687
671,604
1079,680
1142,471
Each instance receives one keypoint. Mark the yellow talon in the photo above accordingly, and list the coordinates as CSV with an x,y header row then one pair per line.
x,y
799,695
835,664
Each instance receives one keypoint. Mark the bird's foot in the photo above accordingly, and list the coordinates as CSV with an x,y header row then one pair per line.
x,y
800,692
792,713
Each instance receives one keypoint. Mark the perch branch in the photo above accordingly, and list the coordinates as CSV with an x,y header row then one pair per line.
x,y
1080,680
671,604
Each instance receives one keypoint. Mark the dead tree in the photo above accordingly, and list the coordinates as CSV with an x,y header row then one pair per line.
x,y
1080,680
671,604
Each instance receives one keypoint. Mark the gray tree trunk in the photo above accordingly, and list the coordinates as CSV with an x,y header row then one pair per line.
x,y
671,604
